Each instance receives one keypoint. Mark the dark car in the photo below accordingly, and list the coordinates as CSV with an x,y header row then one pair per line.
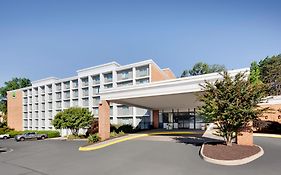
x,y
30,135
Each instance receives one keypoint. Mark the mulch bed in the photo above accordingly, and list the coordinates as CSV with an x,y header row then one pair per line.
x,y
234,152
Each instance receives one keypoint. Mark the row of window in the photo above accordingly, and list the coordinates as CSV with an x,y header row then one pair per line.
x,y
122,75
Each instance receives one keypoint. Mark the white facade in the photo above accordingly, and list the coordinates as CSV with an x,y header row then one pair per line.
x,y
46,97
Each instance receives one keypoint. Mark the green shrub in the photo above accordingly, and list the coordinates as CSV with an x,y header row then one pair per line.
x,y
93,138
14,133
72,137
126,129
113,128
121,133
113,134
5,130
51,134
271,127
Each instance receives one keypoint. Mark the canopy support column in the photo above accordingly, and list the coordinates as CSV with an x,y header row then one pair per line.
x,y
104,120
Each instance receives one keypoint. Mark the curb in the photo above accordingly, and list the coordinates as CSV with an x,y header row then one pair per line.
x,y
231,162
267,135
111,143
174,133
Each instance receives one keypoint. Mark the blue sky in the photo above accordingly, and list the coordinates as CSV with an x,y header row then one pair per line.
x,y
55,38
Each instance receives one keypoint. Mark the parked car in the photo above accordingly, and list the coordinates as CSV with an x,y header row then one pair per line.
x,y
30,135
4,136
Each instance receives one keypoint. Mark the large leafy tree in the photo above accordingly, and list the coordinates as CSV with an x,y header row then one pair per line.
x,y
15,83
201,68
231,103
270,73
73,118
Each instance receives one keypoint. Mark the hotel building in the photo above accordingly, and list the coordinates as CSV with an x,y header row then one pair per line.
x,y
34,107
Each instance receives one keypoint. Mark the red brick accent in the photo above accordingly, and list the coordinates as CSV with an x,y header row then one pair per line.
x,y
14,114
104,120
245,137
155,114
273,114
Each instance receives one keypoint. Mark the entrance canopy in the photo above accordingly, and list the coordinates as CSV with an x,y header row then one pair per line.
x,y
175,94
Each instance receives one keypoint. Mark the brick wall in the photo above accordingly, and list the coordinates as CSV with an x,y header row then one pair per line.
x,y
15,110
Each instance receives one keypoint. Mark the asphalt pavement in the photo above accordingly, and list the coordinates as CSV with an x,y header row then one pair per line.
x,y
134,157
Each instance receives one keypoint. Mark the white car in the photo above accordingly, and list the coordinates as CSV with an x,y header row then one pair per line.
x,y
4,136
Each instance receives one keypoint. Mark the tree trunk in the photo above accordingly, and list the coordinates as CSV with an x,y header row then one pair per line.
x,y
228,139
74,132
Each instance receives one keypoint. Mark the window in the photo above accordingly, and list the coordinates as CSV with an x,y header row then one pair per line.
x,y
43,122
96,90
75,102
124,74
96,111
50,97
85,81
142,71
107,77
67,95
25,122
75,93
142,81
75,83
50,105
36,99
58,104
30,100
43,106
96,101
43,114
50,115
127,83
25,93
30,122
67,104
42,89
124,110
36,107
125,120
85,102
43,98
107,86
25,108
85,92
66,85
36,91
96,79
58,95
58,87
25,115
49,88
36,122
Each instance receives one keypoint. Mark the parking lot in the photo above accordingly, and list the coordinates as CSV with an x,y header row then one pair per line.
x,y
140,156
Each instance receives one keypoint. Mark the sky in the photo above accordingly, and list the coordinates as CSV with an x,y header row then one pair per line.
x,y
39,39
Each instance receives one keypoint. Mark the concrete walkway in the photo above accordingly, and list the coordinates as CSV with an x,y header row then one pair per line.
x,y
154,132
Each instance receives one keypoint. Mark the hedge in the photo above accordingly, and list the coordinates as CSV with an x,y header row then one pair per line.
x,y
51,134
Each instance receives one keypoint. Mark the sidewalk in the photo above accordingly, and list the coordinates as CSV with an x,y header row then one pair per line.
x,y
106,143
153,132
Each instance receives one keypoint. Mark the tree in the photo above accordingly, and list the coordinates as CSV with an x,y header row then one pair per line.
x,y
73,118
231,103
270,73
201,68
15,83
255,73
